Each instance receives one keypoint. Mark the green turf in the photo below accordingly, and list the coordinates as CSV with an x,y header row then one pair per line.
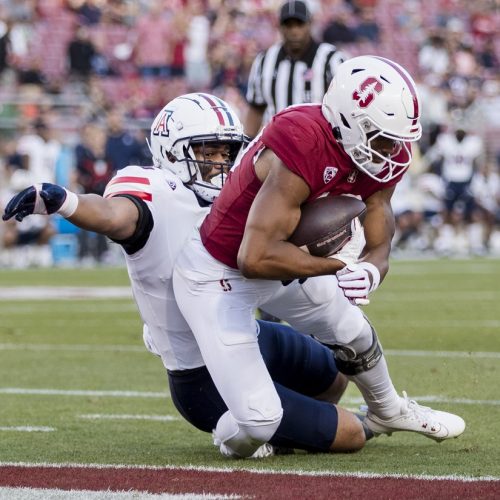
x,y
64,277
430,305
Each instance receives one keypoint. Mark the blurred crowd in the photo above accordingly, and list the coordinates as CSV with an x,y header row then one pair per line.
x,y
81,80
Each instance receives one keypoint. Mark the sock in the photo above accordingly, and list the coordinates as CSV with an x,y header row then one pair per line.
x,y
378,391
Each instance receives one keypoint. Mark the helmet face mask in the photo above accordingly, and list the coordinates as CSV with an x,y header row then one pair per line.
x,y
373,108
378,162
202,123
213,160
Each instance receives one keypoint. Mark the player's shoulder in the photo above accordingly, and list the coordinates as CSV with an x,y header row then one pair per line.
x,y
473,142
271,52
332,52
275,47
328,47
140,170
446,140
28,142
304,124
146,175
307,118
134,180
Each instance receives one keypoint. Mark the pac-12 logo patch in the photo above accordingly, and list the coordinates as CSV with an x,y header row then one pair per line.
x,y
172,185
367,91
329,174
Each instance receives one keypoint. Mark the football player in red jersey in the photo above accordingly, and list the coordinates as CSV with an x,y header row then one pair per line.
x,y
357,142
150,212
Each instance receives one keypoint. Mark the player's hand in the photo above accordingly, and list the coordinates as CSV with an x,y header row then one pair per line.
x,y
349,253
357,281
38,199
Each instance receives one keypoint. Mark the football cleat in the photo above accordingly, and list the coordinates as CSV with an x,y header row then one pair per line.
x,y
434,424
361,415
263,451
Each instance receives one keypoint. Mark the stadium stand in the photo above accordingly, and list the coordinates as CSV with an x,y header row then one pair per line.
x,y
448,45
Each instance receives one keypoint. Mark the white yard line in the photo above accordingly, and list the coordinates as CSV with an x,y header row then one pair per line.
x,y
354,400
74,347
441,354
435,398
471,324
56,494
299,472
142,350
120,292
103,416
27,428
64,392
64,292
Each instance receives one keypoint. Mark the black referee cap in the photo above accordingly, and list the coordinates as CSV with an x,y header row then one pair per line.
x,y
296,9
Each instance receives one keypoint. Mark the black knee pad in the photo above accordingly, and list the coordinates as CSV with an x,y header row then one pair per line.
x,y
351,363
196,398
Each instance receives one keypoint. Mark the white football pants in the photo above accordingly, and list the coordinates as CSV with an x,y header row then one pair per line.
x,y
219,305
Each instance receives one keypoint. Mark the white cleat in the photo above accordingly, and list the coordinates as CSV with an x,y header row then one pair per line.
x,y
263,451
434,424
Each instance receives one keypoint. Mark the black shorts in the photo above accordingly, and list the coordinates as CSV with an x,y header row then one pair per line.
x,y
300,367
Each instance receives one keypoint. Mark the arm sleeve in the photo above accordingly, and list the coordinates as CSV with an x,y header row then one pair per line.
x,y
144,227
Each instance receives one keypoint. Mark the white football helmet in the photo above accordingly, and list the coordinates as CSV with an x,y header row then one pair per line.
x,y
192,119
372,100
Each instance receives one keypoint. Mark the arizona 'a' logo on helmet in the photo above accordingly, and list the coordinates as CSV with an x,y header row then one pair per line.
x,y
367,91
160,125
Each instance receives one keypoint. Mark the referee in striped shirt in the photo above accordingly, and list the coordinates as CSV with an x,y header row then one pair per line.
x,y
296,71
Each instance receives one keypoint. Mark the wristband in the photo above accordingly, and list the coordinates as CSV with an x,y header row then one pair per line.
x,y
373,270
70,204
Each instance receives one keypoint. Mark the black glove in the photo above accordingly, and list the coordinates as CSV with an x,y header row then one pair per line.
x,y
37,199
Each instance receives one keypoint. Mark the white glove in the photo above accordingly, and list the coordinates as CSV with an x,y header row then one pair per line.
x,y
357,281
349,253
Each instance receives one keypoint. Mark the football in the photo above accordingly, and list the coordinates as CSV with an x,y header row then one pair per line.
x,y
325,224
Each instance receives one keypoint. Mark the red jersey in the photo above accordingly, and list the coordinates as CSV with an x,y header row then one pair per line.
x,y
303,140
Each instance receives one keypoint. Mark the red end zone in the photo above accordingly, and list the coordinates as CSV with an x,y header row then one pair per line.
x,y
255,484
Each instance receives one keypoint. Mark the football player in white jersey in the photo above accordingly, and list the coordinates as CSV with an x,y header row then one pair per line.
x,y
150,212
461,153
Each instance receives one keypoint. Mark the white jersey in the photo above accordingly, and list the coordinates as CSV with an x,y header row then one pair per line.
x,y
458,157
175,212
42,157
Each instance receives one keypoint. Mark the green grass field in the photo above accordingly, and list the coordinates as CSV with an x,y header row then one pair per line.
x,y
75,366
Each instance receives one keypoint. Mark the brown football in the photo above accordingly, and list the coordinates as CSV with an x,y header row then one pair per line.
x,y
325,224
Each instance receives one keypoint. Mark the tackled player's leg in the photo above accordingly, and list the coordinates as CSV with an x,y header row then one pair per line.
x,y
219,306
319,307
302,370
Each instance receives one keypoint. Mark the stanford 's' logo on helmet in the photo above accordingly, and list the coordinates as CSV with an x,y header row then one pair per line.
x,y
366,92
